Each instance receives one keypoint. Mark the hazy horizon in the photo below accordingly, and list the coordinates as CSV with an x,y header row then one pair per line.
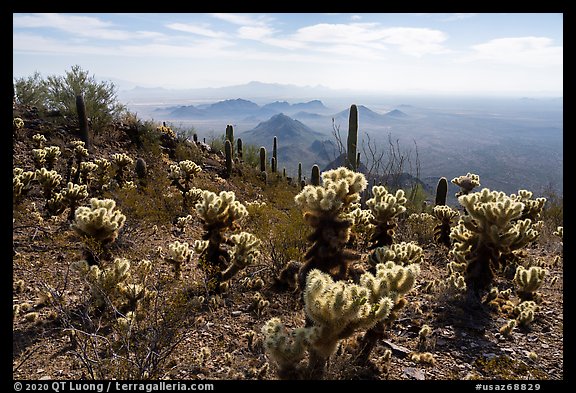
x,y
411,54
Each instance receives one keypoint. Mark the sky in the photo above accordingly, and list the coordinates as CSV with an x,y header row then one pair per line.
x,y
433,53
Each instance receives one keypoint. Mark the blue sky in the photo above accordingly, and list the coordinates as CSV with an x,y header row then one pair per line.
x,y
485,53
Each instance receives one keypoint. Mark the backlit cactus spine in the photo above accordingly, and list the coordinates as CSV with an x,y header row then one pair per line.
x,y
352,141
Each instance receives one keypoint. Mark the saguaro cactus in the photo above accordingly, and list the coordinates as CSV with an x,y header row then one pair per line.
x,y
262,159
300,175
228,155
352,138
275,155
239,148
315,177
230,137
441,192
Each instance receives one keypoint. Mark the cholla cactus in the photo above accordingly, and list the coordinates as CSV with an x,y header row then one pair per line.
x,y
178,255
51,154
104,283
102,173
336,310
182,222
466,183
87,171
219,214
532,207
39,140
49,180
39,158
444,214
17,123
21,183
244,253
72,195
507,328
489,232
326,210
526,312
122,162
286,348
559,232
529,281
181,175
79,150
385,208
402,254
420,226
167,131
362,226
101,221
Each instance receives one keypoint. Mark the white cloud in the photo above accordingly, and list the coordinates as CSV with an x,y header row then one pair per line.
x,y
84,26
355,17
458,16
241,19
196,29
521,51
255,32
409,40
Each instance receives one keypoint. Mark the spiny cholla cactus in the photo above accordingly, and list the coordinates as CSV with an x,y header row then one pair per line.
x,y
181,175
526,312
39,158
49,180
182,222
491,231
87,171
70,196
39,140
420,227
121,162
532,207
559,232
51,156
244,253
17,123
178,255
337,309
219,213
21,183
362,226
385,207
326,210
101,221
397,267
529,281
466,183
104,282
444,214
401,253
102,174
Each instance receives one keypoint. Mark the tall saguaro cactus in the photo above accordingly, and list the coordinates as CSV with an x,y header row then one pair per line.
x,y
262,159
300,175
230,136
352,138
228,154
275,155
315,177
239,148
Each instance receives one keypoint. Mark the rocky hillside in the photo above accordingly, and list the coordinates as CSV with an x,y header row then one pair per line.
x,y
138,299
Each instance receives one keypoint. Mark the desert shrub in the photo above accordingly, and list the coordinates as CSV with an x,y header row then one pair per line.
x,y
31,90
102,105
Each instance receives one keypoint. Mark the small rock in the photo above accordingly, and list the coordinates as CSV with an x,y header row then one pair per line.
x,y
545,346
40,371
489,356
415,373
236,313
45,377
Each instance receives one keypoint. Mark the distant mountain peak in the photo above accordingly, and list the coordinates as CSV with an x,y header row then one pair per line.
x,y
396,113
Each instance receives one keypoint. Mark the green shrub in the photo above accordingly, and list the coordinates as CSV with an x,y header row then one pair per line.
x,y
31,90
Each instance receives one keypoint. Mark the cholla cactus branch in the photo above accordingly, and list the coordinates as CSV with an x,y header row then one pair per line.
x,y
178,255
401,254
244,253
21,183
48,180
121,161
